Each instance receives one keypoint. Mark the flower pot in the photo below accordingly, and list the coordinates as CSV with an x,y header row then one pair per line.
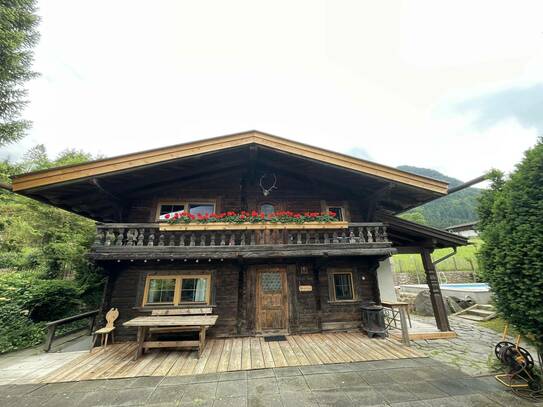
x,y
251,226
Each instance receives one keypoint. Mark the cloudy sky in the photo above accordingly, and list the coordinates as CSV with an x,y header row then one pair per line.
x,y
456,86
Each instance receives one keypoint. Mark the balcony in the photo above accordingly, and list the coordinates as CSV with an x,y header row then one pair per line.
x,y
122,241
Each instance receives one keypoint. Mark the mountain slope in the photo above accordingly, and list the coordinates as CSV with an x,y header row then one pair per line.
x,y
456,208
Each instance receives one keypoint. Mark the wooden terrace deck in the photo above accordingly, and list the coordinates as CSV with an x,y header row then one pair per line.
x,y
223,355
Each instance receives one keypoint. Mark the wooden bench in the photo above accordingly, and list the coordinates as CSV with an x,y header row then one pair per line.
x,y
173,320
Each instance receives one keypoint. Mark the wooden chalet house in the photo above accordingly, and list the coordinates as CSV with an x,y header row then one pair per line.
x,y
258,278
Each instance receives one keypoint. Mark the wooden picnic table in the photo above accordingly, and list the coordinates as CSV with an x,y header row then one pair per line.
x,y
200,323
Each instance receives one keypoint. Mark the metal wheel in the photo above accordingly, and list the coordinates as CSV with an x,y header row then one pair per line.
x,y
527,357
499,346
515,357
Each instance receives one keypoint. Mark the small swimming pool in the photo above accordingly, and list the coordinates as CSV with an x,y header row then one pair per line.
x,y
478,292
467,286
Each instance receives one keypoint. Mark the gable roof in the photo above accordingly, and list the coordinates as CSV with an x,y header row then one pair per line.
x,y
152,157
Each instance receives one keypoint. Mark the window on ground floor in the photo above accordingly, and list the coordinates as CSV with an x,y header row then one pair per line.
x,y
341,286
177,290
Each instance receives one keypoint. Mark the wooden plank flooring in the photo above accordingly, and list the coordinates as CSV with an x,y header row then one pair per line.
x,y
222,355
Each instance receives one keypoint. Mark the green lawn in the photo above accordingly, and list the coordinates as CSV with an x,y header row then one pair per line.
x,y
497,324
464,260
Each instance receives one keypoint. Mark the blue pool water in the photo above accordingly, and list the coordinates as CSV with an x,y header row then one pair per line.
x,y
479,286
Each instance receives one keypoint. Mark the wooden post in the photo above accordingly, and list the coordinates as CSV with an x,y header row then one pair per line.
x,y
292,293
317,293
92,322
202,341
440,312
49,339
141,338
242,297
403,325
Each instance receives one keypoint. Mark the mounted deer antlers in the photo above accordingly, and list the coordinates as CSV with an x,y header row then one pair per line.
x,y
266,191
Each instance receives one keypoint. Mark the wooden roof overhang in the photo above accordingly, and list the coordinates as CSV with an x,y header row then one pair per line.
x,y
101,189
410,237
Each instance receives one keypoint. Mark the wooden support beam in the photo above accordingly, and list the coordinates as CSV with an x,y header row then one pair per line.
x,y
253,158
115,200
374,199
292,292
241,309
438,305
317,291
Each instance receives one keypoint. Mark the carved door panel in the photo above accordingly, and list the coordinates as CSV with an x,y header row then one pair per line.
x,y
271,300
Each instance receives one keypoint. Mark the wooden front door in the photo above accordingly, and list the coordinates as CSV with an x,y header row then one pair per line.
x,y
271,300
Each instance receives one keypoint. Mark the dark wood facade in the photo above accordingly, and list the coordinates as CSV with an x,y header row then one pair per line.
x,y
227,172
234,288
234,292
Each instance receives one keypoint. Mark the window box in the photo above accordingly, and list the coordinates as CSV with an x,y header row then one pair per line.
x,y
252,226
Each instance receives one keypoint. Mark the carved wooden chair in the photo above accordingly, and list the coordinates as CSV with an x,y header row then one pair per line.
x,y
111,316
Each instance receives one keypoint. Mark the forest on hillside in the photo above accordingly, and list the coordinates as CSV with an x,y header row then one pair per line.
x,y
460,207
44,270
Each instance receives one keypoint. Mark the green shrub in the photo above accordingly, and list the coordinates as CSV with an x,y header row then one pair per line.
x,y
512,254
26,301
17,331
53,299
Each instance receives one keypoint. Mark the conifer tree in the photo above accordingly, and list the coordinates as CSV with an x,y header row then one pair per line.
x,y
512,254
18,36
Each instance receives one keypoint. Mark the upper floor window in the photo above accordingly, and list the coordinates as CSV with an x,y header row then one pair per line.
x,y
169,208
267,209
339,211
177,289
192,207
201,208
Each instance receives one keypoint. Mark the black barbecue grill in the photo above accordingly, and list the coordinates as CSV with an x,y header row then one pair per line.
x,y
373,320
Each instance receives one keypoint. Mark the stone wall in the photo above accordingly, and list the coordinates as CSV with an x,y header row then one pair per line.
x,y
451,276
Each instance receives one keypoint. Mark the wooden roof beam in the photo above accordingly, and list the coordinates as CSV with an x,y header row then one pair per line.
x,y
153,157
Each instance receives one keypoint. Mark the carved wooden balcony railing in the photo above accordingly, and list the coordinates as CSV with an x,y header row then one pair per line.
x,y
148,241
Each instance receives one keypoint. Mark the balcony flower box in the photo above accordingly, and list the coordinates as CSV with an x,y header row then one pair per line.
x,y
251,226
251,221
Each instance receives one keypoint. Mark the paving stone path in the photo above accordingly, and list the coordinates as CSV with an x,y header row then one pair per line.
x,y
420,382
472,351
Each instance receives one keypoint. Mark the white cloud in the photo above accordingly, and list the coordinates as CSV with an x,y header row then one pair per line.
x,y
382,77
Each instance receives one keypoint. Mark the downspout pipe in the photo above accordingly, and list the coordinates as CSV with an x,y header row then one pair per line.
x,y
445,257
467,184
